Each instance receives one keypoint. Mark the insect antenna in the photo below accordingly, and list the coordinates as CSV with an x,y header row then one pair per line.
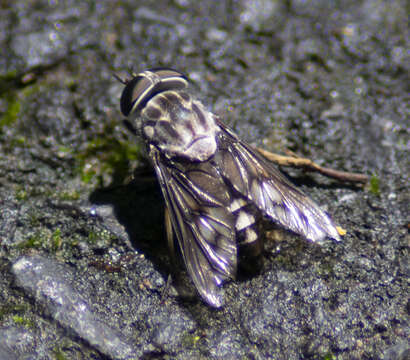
x,y
125,81
122,81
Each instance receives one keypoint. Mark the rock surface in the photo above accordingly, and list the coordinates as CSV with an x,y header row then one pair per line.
x,y
83,256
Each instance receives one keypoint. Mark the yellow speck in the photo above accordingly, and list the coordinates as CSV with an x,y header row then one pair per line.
x,y
341,231
349,30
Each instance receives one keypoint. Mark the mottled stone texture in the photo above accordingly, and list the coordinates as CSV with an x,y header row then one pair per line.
x,y
83,257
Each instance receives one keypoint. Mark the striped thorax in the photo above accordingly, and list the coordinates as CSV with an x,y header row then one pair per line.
x,y
168,117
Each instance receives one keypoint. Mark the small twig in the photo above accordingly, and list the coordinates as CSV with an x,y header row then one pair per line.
x,y
309,165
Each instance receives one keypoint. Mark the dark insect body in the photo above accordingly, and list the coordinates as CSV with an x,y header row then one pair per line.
x,y
212,181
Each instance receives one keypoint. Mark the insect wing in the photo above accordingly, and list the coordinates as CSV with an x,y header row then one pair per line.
x,y
197,199
261,183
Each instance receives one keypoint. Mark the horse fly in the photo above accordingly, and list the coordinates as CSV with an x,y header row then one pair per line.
x,y
214,184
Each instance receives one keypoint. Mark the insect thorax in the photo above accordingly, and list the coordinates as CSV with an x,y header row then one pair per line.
x,y
179,126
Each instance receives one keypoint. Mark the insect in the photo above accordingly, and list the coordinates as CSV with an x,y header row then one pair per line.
x,y
214,184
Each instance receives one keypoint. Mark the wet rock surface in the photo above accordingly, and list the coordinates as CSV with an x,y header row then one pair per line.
x,y
84,262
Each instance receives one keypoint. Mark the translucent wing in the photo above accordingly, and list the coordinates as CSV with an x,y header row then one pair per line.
x,y
198,199
261,183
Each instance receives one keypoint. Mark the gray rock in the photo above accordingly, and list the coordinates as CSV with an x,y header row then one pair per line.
x,y
83,257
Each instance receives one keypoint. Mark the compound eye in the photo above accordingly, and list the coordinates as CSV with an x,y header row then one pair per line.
x,y
169,80
133,92
165,73
139,90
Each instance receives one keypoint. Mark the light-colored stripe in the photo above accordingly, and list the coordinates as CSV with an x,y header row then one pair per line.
x,y
237,204
244,220
250,236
